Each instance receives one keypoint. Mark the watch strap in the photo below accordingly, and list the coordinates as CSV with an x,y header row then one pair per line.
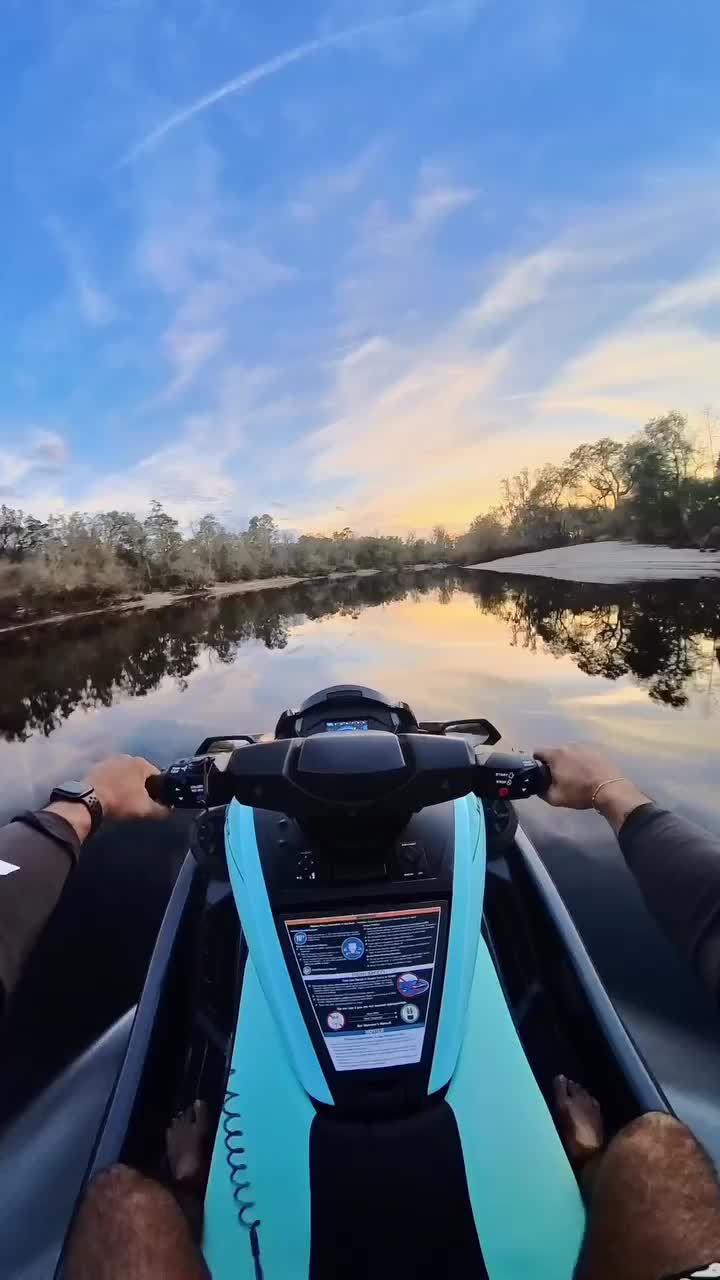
x,y
95,809
90,801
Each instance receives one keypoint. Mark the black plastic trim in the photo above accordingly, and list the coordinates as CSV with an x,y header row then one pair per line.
x,y
114,1129
630,1061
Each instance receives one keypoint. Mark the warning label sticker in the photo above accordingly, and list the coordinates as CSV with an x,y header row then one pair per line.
x,y
369,980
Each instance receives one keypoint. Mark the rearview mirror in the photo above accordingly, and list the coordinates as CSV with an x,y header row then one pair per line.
x,y
218,746
483,730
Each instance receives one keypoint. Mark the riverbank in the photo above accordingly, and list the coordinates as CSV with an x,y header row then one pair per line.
x,y
611,563
164,599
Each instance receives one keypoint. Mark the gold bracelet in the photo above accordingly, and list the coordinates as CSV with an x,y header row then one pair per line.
x,y
607,783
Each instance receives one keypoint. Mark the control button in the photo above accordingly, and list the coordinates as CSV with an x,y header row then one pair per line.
x,y
409,853
503,792
305,866
411,860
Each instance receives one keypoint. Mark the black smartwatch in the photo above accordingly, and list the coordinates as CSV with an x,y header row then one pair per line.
x,y
80,793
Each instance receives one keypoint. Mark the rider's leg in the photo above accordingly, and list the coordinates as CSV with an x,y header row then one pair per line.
x,y
654,1196
132,1228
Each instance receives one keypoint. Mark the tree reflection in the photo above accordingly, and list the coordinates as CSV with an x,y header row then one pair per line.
x,y
662,634
48,673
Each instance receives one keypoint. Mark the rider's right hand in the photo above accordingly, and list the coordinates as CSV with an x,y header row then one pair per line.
x,y
583,778
577,771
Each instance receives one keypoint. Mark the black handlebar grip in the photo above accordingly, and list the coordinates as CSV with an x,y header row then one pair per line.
x,y
157,788
544,777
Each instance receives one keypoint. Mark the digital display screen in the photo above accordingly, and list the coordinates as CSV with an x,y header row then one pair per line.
x,y
368,978
346,726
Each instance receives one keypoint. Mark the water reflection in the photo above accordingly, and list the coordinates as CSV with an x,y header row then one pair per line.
x,y
546,661
664,636
94,662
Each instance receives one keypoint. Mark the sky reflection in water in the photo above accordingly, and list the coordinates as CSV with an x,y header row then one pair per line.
x,y
632,669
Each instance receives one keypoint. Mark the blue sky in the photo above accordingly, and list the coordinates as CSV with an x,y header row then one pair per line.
x,y
348,262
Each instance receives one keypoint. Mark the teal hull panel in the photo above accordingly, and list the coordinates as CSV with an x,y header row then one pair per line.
x,y
528,1211
465,919
275,1115
256,918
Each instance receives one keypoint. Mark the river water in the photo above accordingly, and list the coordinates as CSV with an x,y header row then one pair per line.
x,y
633,669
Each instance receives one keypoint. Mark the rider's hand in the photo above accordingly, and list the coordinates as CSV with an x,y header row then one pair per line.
x,y
580,773
119,784
576,772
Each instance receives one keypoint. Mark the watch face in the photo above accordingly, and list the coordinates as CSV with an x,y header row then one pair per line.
x,y
74,790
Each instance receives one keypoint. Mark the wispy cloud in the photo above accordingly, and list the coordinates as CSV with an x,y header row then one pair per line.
x,y
524,284
546,38
321,193
391,268
430,404
210,463
95,306
47,449
44,452
205,264
637,372
188,352
436,198
692,295
246,80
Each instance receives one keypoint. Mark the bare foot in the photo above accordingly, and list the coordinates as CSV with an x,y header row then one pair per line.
x,y
186,1144
579,1120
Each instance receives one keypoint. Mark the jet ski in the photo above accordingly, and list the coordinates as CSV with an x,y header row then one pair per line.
x,y
367,973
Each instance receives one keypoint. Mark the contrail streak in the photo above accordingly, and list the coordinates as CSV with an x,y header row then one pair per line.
x,y
278,63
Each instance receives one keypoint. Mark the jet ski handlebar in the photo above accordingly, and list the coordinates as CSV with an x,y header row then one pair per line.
x,y
349,774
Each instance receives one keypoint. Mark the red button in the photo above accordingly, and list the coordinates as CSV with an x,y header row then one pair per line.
x,y
503,792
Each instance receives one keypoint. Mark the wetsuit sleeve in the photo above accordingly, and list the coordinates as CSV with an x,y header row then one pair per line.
x,y
37,853
677,866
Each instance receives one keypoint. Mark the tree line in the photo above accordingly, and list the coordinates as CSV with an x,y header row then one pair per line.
x,y
656,487
660,486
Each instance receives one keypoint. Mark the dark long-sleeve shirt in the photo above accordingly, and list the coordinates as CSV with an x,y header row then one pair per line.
x,y
675,862
677,866
35,861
